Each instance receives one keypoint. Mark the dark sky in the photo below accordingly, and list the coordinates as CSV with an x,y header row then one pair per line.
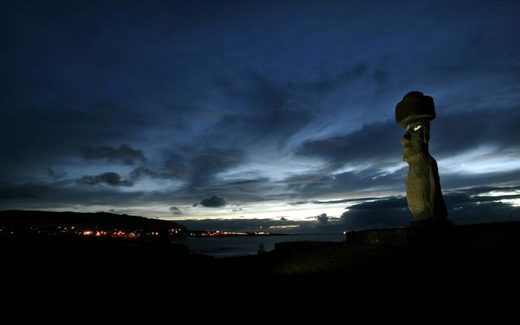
x,y
252,114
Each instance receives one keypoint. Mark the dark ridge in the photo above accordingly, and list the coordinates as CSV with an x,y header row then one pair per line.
x,y
98,219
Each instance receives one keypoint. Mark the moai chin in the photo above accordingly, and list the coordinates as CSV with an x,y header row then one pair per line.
x,y
423,189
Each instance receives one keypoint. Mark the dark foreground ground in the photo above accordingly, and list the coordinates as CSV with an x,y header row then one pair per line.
x,y
462,275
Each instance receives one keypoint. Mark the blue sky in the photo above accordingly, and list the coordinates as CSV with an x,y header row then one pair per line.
x,y
247,114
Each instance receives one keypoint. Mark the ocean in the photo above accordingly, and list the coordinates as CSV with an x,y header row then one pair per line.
x,y
248,245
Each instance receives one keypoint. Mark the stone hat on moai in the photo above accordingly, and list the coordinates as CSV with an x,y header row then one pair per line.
x,y
414,106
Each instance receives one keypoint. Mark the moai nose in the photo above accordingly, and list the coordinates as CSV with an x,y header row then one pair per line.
x,y
406,138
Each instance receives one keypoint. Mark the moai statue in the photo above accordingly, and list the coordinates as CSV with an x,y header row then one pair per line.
x,y
423,188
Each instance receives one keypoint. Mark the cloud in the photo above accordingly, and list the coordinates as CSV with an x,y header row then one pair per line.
x,y
372,142
27,132
322,219
109,178
253,190
143,172
175,210
124,154
267,124
64,196
205,164
371,155
267,109
326,84
54,174
482,204
27,191
198,166
213,202
464,207
333,201
453,133
363,182
387,213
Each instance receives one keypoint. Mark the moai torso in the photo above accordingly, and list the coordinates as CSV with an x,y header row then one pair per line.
x,y
423,190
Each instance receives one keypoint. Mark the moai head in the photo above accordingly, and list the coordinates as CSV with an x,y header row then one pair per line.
x,y
414,113
415,140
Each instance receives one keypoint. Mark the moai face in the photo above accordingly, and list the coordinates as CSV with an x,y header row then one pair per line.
x,y
415,140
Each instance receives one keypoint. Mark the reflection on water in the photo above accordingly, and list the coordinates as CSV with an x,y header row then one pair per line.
x,y
248,245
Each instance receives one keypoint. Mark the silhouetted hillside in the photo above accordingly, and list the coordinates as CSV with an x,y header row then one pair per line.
x,y
95,220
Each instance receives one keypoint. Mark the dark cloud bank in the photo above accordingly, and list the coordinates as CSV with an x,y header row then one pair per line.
x,y
175,210
110,178
124,154
213,202
464,207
